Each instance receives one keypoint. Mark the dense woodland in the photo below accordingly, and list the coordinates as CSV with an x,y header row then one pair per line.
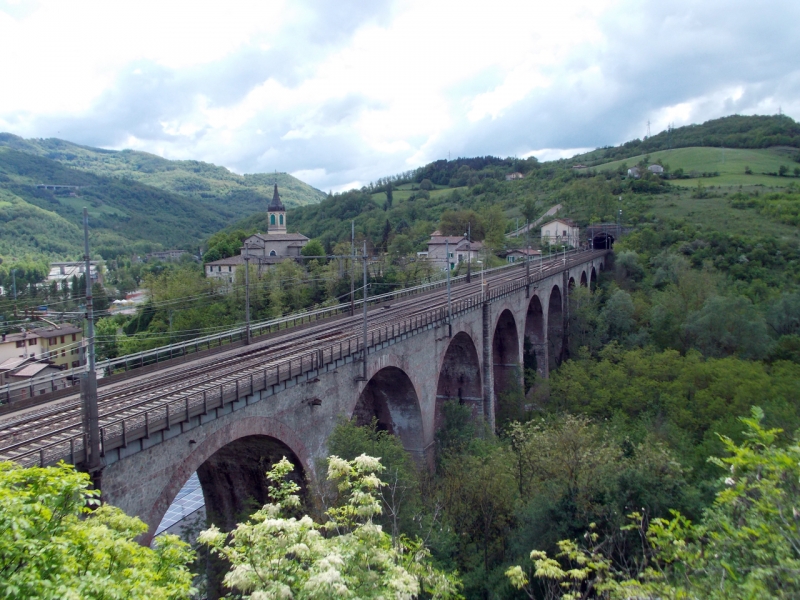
x,y
599,481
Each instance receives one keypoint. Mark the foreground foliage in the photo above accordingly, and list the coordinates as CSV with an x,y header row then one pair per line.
x,y
56,542
349,556
746,545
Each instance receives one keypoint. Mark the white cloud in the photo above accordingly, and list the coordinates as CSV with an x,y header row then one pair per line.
x,y
345,93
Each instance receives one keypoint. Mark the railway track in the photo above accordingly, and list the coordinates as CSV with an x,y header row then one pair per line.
x,y
130,402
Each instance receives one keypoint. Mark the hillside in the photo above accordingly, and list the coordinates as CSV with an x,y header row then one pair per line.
x,y
137,202
735,131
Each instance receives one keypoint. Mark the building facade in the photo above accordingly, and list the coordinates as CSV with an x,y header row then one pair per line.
x,y
262,249
561,231
58,345
450,250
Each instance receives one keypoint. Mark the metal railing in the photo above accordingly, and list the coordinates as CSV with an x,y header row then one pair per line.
x,y
11,392
121,432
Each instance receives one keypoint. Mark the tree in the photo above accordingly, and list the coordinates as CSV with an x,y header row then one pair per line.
x,y
389,195
57,542
782,170
729,325
313,248
100,301
746,545
530,208
426,184
349,556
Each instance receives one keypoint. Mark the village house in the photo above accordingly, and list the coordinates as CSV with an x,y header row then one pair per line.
x,y
656,169
521,253
460,250
561,231
166,255
262,249
66,270
634,172
514,176
59,345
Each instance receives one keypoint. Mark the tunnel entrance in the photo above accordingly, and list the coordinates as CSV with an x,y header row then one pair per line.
x,y
555,328
460,378
603,241
506,369
390,398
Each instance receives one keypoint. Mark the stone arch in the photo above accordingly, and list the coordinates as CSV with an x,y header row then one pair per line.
x,y
535,338
273,253
506,369
258,431
555,328
584,281
571,282
459,377
391,398
593,280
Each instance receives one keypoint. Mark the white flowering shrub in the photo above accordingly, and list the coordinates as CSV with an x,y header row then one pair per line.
x,y
349,556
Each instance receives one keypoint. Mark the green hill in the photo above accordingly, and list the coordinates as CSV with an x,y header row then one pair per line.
x,y
728,163
137,202
735,131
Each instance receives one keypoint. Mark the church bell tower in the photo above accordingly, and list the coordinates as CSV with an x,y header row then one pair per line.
x,y
276,214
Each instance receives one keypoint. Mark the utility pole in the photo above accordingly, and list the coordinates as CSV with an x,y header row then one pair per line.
x,y
469,252
352,267
91,416
527,261
365,310
14,287
449,305
247,295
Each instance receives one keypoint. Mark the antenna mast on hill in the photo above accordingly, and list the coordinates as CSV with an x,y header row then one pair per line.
x,y
648,127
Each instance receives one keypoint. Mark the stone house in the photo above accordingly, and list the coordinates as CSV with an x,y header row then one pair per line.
x,y
460,250
263,249
561,231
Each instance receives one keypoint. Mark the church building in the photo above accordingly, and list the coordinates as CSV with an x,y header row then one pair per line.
x,y
263,249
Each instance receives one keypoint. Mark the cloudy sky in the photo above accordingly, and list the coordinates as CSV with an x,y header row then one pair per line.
x,y
342,92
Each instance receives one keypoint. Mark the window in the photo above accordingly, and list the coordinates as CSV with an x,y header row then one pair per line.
x,y
76,363
62,339
281,219
21,344
32,342
63,352
272,219
73,337
273,253
229,269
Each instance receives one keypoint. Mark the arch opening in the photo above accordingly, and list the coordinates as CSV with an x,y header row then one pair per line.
x,y
459,378
506,368
584,282
593,280
228,487
571,283
391,399
535,347
555,328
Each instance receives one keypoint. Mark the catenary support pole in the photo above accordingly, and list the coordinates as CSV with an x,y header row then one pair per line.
x,y
91,417
469,252
365,310
449,300
352,268
247,295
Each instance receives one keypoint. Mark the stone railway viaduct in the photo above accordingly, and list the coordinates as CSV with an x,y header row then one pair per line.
x,y
408,378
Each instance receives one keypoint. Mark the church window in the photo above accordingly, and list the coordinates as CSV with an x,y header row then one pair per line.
x,y
281,219
273,253
272,219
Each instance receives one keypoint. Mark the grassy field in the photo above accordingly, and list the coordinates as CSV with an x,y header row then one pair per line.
x,y
729,162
